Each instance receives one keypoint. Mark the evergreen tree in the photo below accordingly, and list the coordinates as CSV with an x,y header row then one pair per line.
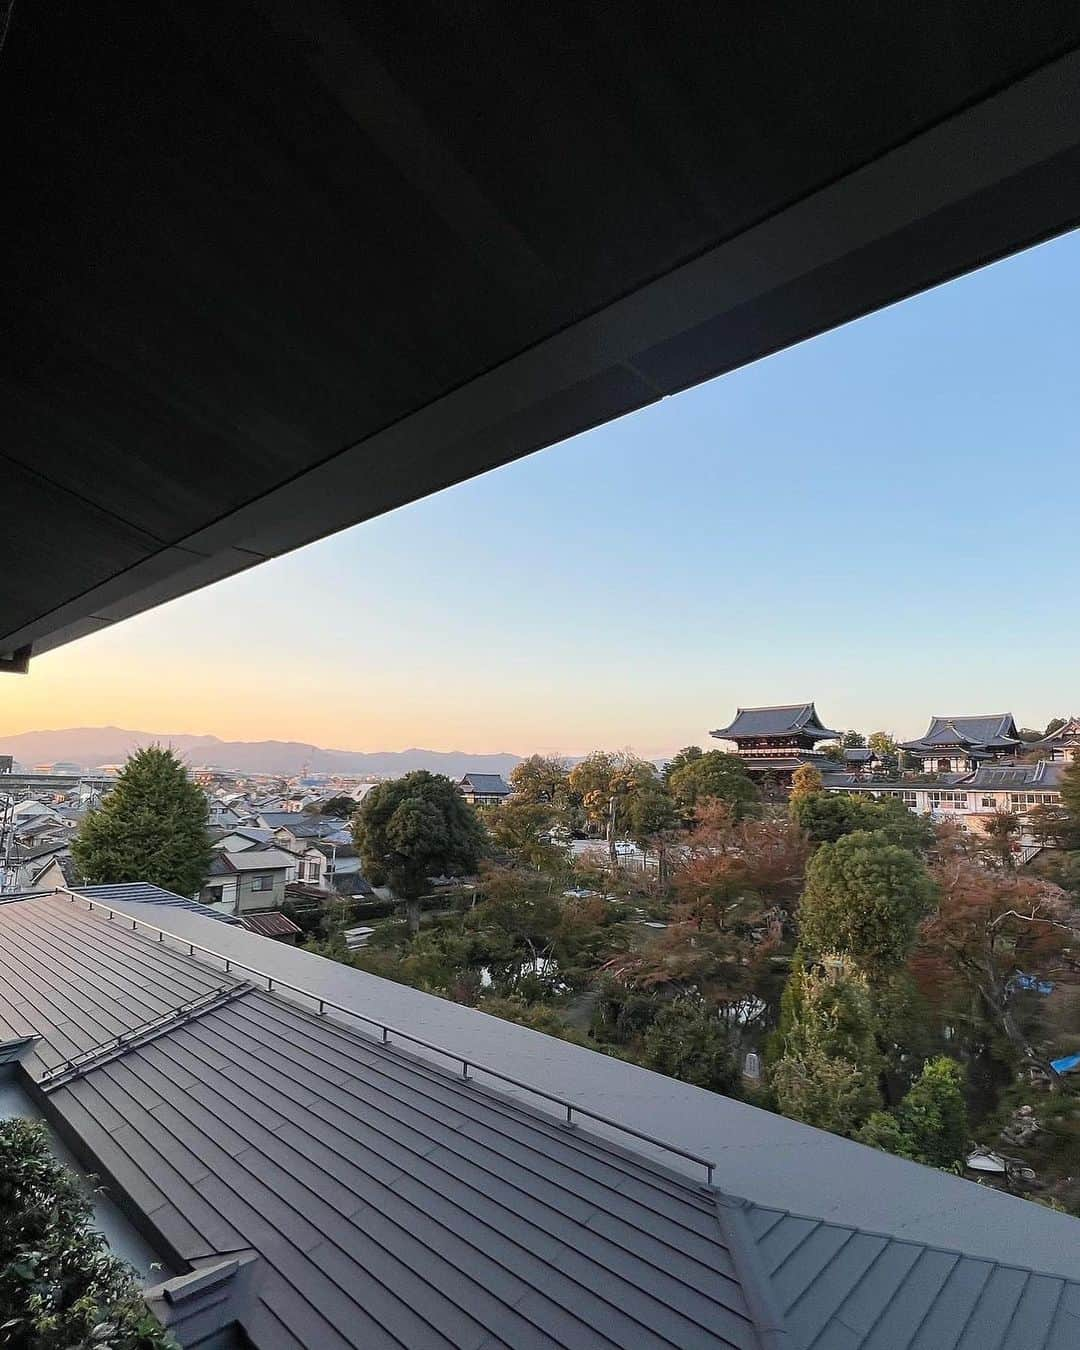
x,y
151,827
60,1287
1070,802
864,898
687,1040
414,828
827,1073
930,1125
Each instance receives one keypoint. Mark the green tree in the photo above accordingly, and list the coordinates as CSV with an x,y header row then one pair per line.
x,y
682,757
341,807
687,1040
1055,724
520,829
541,780
151,827
853,740
933,1114
653,818
930,1125
715,776
864,898
59,1285
828,1067
828,816
413,828
1070,801
825,816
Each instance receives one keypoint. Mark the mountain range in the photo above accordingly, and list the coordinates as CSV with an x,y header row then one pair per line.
x,y
91,746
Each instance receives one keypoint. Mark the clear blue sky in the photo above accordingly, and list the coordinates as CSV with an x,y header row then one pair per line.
x,y
883,519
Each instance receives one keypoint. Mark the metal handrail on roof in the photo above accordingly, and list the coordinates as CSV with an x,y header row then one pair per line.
x,y
274,983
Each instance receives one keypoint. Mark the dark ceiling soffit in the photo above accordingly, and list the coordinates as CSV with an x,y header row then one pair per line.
x,y
613,361
18,663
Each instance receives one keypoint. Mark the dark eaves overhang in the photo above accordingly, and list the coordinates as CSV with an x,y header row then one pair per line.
x,y
994,177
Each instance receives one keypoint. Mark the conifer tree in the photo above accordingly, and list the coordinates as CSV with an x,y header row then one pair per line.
x,y
151,827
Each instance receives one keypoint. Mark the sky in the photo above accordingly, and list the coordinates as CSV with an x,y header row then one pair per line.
x,y
883,519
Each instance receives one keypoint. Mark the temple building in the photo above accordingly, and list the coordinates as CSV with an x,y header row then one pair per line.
x,y
961,744
777,741
1061,744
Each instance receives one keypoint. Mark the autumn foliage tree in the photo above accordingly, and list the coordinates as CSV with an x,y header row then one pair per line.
x,y
986,926
731,897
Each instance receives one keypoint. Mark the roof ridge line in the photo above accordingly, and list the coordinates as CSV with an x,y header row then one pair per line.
x,y
770,1325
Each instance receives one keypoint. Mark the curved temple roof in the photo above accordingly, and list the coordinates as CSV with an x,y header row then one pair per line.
x,y
786,719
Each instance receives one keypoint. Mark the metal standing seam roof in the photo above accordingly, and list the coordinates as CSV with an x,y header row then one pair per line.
x,y
388,1202
350,1193
840,1288
137,892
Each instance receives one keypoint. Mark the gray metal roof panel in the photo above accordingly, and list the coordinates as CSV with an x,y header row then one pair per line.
x,y
783,719
755,1151
393,1203
839,1286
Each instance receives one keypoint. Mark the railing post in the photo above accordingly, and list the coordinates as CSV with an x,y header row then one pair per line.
x,y
385,1036
465,1069
569,1114
322,1007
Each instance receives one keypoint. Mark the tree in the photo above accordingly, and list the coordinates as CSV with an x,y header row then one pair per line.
x,y
853,740
520,829
715,776
1070,800
689,1042
653,819
828,816
606,785
933,1115
1055,724
930,1125
413,828
833,753
1001,829
986,926
680,759
882,744
827,1070
151,827
805,782
541,780
59,1285
341,807
864,898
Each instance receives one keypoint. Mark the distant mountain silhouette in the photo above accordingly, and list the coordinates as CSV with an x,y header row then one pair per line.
x,y
91,746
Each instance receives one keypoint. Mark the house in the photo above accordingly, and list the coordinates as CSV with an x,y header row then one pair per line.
x,y
961,744
244,837
318,1157
484,789
252,879
774,741
298,832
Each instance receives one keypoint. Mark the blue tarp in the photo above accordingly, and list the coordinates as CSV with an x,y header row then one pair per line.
x,y
1066,1064
1029,982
